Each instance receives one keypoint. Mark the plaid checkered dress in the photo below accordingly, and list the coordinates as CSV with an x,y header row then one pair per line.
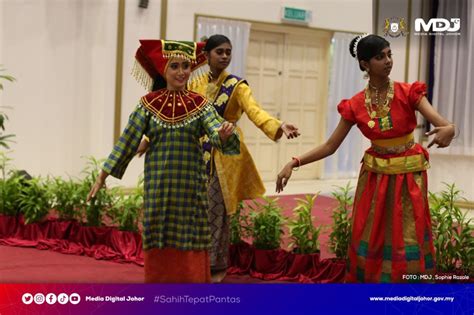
x,y
176,201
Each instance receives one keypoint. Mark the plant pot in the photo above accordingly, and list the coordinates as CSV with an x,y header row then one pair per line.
x,y
301,264
241,257
270,264
89,236
128,244
57,229
29,232
8,225
330,270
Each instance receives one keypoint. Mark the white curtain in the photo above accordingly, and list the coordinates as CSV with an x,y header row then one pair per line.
x,y
453,94
238,32
345,81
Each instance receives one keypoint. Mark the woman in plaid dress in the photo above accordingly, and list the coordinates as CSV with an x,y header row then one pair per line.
x,y
391,225
232,178
176,234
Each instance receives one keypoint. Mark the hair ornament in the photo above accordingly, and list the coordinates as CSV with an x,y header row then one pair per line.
x,y
358,39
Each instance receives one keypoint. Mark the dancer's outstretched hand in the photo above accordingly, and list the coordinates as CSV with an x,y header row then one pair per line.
x,y
290,130
443,136
226,130
94,190
283,177
99,183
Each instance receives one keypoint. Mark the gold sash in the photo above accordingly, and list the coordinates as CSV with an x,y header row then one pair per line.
x,y
393,145
395,165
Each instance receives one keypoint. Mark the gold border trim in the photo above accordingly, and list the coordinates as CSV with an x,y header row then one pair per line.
x,y
407,48
163,18
376,5
422,14
119,69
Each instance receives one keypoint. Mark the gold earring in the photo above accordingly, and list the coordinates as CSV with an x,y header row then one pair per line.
x,y
366,75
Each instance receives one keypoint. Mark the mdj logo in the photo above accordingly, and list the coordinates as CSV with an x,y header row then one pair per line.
x,y
438,25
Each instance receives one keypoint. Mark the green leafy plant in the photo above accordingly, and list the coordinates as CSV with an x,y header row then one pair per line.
x,y
239,225
5,77
303,233
4,138
35,202
341,228
452,233
67,198
10,187
96,208
266,224
127,211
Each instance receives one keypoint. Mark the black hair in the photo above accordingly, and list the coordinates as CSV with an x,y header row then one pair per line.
x,y
368,47
216,40
159,83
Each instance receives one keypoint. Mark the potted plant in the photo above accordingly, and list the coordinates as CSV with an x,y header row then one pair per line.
x,y
35,204
67,198
304,237
94,211
341,228
126,213
10,190
66,202
339,238
266,230
4,138
94,233
452,233
241,253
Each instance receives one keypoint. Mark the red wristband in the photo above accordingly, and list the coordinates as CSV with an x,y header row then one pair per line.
x,y
297,160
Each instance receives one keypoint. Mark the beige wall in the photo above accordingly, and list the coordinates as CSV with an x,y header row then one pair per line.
x,y
355,17
63,53
64,64
139,24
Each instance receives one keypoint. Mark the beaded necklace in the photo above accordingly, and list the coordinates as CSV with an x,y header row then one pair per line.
x,y
382,111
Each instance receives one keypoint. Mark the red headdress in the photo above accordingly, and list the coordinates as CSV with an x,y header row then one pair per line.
x,y
153,55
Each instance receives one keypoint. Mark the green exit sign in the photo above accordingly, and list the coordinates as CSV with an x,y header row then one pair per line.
x,y
295,15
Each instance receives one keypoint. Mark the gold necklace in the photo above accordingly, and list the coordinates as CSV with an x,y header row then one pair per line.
x,y
376,89
381,112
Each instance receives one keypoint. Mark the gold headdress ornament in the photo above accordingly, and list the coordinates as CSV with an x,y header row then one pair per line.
x,y
152,57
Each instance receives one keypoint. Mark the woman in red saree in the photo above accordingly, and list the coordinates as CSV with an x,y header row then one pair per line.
x,y
391,224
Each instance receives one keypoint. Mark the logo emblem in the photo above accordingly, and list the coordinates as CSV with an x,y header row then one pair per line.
x,y
39,298
74,298
63,298
394,27
51,298
27,298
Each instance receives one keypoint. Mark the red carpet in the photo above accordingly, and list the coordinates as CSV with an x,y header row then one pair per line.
x,y
52,267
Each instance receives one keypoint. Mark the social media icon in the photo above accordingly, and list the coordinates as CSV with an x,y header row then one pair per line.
x,y
27,298
74,298
39,298
63,298
51,298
